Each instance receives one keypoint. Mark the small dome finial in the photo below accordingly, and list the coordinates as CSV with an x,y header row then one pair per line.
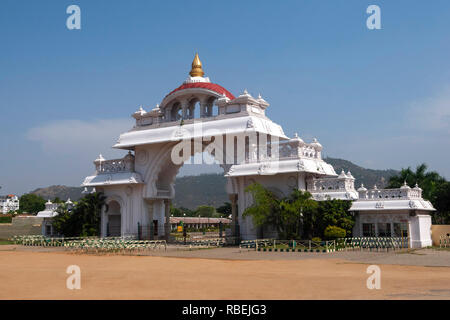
x,y
196,70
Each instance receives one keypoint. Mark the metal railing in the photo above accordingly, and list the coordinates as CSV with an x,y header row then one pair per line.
x,y
372,243
115,245
274,245
126,244
444,241
208,242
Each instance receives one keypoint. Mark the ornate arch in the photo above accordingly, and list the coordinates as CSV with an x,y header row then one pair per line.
x,y
118,199
163,161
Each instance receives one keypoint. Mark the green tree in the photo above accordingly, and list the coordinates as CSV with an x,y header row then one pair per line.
x,y
182,212
265,210
205,211
176,212
57,200
298,215
333,233
442,204
434,188
83,220
224,210
31,203
429,181
334,213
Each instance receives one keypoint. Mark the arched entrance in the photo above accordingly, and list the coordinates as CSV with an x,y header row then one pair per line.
x,y
160,187
114,217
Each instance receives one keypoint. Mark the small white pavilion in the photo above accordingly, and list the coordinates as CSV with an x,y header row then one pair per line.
x,y
48,213
398,212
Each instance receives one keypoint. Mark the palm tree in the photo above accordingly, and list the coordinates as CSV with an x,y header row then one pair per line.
x,y
428,181
84,219
90,208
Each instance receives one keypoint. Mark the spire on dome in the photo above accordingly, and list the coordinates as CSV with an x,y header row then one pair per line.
x,y
196,70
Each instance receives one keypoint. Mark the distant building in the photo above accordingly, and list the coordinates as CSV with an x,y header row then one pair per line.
x,y
48,213
198,223
9,203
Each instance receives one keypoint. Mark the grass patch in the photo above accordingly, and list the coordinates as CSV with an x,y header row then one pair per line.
x,y
5,242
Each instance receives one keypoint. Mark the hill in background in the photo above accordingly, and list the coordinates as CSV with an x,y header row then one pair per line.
x,y
62,192
209,189
369,177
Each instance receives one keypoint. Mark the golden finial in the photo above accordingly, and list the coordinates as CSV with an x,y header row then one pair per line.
x,y
196,70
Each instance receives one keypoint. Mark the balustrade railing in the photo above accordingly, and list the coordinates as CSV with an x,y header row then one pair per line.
x,y
125,164
392,194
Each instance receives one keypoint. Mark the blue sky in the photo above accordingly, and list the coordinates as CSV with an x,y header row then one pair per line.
x,y
380,98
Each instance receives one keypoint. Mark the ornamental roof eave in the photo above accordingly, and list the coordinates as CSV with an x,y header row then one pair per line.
x,y
47,214
112,179
389,205
209,127
313,166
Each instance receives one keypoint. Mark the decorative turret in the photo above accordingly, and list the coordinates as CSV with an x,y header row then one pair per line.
x,y
296,140
362,188
262,103
296,144
196,70
138,114
342,175
349,175
98,163
405,186
222,100
316,145
69,204
362,191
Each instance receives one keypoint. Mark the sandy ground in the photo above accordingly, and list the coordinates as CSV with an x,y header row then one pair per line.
x,y
225,273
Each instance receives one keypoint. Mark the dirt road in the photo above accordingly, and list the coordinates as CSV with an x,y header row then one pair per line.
x,y
42,275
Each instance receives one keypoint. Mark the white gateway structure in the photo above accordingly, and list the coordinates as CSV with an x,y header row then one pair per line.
x,y
200,116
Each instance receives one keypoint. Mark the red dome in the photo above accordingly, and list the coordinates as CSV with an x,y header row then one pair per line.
x,y
205,85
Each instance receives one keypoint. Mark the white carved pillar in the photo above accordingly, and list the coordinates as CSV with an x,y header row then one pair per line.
x,y
167,219
168,112
184,108
148,219
202,110
234,217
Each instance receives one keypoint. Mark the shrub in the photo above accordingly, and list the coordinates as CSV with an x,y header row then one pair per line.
x,y
316,239
6,219
333,232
